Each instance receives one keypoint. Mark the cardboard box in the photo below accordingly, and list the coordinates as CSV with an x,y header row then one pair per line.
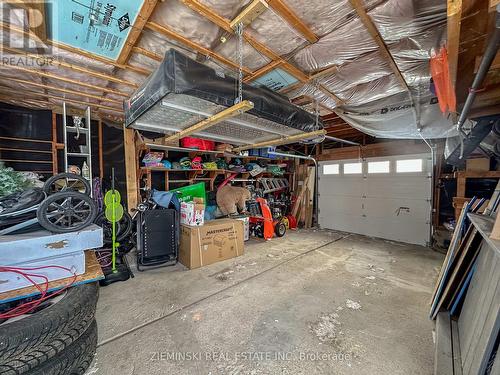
x,y
477,165
246,226
193,213
215,241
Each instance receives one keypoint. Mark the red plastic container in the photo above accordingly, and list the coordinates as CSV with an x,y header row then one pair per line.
x,y
200,144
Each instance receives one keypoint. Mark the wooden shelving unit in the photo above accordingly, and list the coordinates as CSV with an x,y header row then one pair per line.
x,y
190,176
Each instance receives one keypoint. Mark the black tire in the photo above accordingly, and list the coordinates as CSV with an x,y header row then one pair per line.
x,y
26,343
123,227
44,209
48,187
75,360
280,229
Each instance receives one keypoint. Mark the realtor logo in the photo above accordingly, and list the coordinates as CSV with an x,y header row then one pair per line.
x,y
24,27
124,22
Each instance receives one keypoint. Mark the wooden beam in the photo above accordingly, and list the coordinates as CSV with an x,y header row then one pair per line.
x,y
142,17
196,47
147,53
372,29
37,19
224,24
324,72
25,95
282,140
454,14
73,67
77,51
68,80
251,12
330,94
130,154
67,91
291,17
206,12
296,72
390,148
262,71
232,111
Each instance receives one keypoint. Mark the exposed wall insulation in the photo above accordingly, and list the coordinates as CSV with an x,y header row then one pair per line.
x,y
364,81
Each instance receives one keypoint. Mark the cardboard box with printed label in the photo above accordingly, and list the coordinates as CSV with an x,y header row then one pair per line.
x,y
193,213
210,243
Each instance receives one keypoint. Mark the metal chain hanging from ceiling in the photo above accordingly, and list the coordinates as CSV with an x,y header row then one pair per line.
x,y
239,32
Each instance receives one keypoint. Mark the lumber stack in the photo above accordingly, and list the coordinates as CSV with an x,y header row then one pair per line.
x,y
304,188
460,261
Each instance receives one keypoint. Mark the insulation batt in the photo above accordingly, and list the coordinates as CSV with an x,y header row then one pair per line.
x,y
364,81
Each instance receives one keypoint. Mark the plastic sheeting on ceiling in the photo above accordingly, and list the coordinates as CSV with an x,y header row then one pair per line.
x,y
364,80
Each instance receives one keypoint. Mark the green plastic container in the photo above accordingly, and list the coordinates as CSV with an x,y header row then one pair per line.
x,y
187,193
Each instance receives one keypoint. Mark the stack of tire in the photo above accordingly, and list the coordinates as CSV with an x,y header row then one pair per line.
x,y
59,339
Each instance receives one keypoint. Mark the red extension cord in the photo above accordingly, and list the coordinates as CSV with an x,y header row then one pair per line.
x,y
25,308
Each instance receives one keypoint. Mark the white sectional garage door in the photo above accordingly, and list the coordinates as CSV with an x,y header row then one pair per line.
x,y
387,197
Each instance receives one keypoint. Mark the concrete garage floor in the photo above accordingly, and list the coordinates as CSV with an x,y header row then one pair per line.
x,y
313,302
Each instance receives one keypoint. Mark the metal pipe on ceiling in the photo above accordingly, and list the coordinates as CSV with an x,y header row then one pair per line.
x,y
342,140
316,176
484,66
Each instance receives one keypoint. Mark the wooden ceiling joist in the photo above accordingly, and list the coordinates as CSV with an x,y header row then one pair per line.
x,y
454,14
145,52
68,80
291,17
225,24
27,95
66,91
282,140
249,13
276,60
232,111
260,72
383,49
73,67
136,30
153,26
77,51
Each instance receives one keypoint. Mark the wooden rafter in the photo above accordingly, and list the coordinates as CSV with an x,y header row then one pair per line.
x,y
68,80
249,13
232,111
383,49
324,72
291,17
196,47
282,140
73,67
28,94
276,60
66,91
145,52
454,13
37,19
78,51
260,72
136,29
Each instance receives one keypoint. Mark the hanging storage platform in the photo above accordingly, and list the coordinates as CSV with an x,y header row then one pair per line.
x,y
182,92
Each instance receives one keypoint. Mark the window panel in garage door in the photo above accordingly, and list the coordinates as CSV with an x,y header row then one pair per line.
x,y
390,205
